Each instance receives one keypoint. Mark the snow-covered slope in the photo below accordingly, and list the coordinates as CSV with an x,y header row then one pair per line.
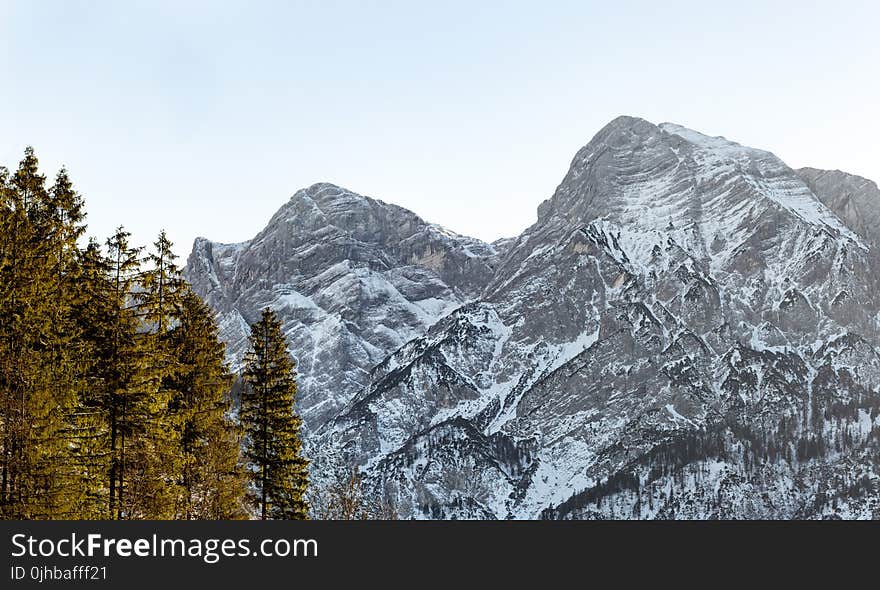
x,y
686,331
352,279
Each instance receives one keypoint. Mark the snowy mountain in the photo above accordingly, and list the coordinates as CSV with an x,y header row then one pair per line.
x,y
854,199
352,280
689,330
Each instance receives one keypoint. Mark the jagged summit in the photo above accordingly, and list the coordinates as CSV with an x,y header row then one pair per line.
x,y
689,329
325,205
675,283
352,279
341,214
654,177
626,130
334,199
622,126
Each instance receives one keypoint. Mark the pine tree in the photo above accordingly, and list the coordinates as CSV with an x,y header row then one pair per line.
x,y
114,395
128,380
19,282
163,287
36,396
153,452
209,474
279,473
62,224
66,217
95,310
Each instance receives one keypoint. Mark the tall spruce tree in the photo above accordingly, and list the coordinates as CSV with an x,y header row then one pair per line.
x,y
95,311
63,223
163,287
37,398
209,476
154,455
279,473
114,395
129,379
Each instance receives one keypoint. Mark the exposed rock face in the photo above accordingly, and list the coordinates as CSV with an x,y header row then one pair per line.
x,y
352,280
686,331
854,199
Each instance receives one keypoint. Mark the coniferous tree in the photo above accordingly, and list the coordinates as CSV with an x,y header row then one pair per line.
x,y
114,395
209,473
153,454
279,474
128,381
66,217
37,396
163,287
62,225
95,310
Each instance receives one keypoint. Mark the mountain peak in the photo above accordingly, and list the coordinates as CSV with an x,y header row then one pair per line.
x,y
327,195
324,190
623,131
626,122
651,177
680,297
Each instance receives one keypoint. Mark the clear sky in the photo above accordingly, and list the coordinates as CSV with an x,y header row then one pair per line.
x,y
203,118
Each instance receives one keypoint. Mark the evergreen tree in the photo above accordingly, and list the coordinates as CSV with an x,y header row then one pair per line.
x,y
209,474
128,380
114,395
66,217
62,224
36,396
95,310
279,473
163,287
153,453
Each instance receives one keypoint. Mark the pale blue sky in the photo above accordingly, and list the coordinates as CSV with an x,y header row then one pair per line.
x,y
204,118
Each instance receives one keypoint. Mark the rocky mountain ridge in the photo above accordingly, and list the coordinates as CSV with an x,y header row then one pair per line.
x,y
689,330
352,278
